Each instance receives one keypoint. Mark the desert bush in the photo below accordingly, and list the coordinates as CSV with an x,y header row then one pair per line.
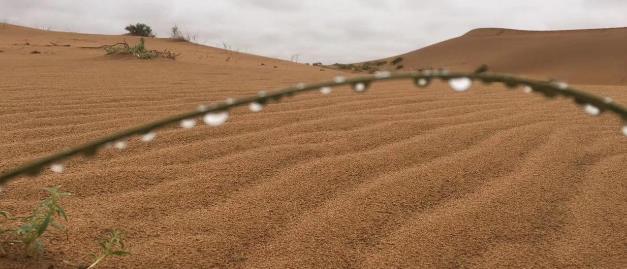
x,y
139,29
139,50
177,34
396,61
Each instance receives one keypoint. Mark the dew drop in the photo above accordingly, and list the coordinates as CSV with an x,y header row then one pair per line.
x,y
339,79
592,110
216,118
57,168
149,136
326,90
188,123
422,82
460,84
561,85
202,108
120,145
255,107
360,87
625,130
527,89
382,74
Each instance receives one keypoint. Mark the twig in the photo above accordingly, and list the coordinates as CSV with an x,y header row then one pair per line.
x,y
547,88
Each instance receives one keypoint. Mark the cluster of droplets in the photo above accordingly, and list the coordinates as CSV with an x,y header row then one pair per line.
x,y
457,84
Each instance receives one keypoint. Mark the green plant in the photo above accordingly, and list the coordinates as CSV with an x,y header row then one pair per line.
x,y
112,245
42,217
139,29
6,216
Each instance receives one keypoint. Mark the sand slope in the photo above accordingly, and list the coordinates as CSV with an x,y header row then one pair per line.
x,y
397,177
580,56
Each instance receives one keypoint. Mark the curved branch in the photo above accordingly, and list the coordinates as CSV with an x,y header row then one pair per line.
x,y
547,88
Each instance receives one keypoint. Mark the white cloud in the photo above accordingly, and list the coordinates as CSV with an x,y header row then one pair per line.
x,y
321,30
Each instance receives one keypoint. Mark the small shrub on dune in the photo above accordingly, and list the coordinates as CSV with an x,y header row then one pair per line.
x,y
138,51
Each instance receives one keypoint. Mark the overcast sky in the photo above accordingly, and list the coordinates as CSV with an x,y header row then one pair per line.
x,y
318,30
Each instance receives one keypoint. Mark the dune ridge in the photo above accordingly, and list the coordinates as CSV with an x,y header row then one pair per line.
x,y
590,56
396,177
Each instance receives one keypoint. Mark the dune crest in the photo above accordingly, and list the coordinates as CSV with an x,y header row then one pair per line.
x,y
591,56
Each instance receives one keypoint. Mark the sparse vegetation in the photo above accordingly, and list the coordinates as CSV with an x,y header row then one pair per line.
x,y
111,245
139,50
44,216
139,29
177,34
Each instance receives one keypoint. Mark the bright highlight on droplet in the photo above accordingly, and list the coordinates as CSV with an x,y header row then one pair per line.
x,y
147,137
188,123
382,74
625,130
592,110
120,145
339,79
527,89
422,82
216,118
57,168
561,85
255,107
326,90
460,84
202,108
360,87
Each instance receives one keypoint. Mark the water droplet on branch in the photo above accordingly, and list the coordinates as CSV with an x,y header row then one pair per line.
x,y
625,130
255,107
527,89
216,118
422,82
360,87
149,136
560,85
592,110
339,79
57,168
460,84
382,74
326,90
188,123
120,145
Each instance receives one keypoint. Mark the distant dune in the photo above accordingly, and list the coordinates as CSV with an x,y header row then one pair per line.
x,y
392,178
597,56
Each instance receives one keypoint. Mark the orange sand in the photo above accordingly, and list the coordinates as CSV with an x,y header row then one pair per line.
x,y
595,56
397,177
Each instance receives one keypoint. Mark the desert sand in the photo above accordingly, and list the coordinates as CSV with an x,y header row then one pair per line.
x,y
594,56
396,177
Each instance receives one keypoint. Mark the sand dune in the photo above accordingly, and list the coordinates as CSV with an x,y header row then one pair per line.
x,y
579,56
396,177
